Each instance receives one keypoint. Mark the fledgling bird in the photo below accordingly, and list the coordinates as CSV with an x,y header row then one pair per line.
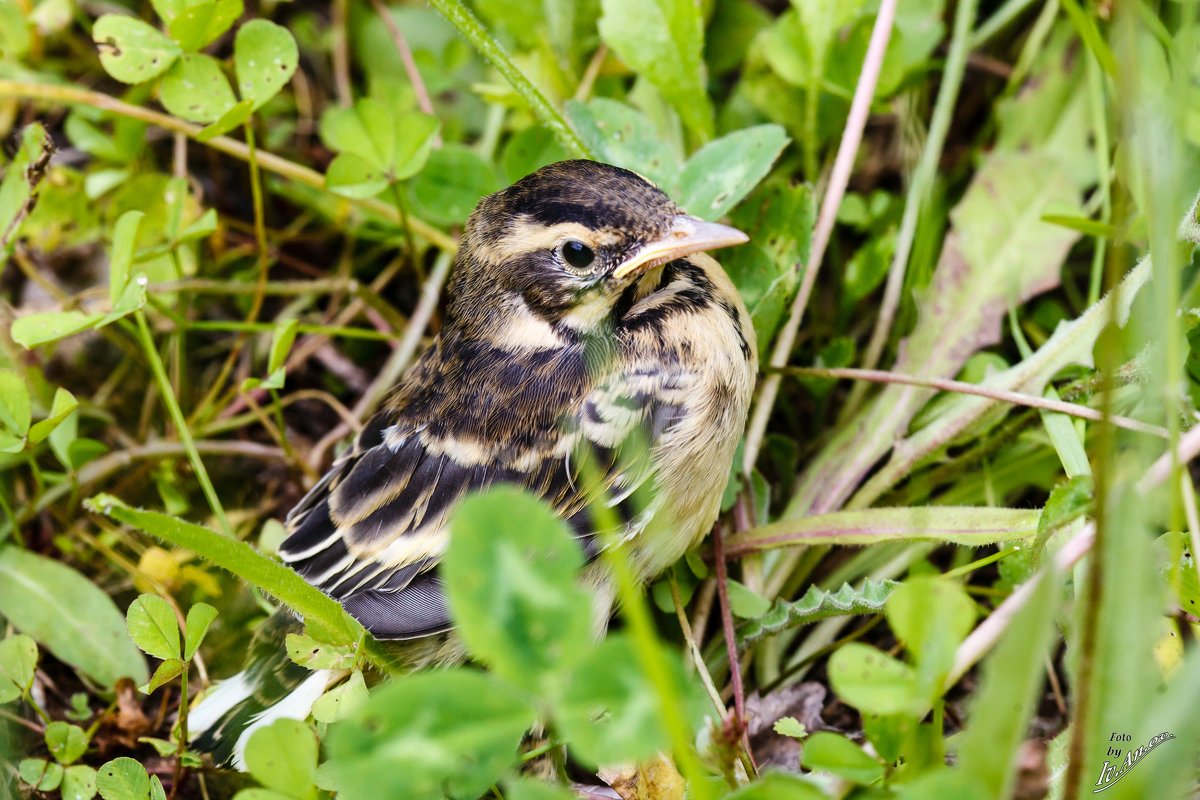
x,y
586,332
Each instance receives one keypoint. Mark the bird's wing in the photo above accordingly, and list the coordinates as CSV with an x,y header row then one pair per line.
x,y
372,531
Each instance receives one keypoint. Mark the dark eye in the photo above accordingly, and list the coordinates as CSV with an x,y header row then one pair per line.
x,y
577,254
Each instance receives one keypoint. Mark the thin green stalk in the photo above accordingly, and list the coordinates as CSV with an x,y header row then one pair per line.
x,y
1095,88
185,435
486,45
920,186
996,22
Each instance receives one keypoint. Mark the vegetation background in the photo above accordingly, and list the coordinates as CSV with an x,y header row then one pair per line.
x,y
958,554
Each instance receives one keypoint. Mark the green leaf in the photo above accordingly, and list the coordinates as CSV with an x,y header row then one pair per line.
x,y
663,41
353,176
790,726
931,615
18,660
1006,699
532,789
22,181
131,299
829,752
120,257
817,604
778,786
42,775
199,617
60,408
608,711
205,225
396,145
131,50
16,411
511,576
746,603
196,89
451,184
872,681
965,525
265,58
69,615
625,137
167,671
341,701
724,171
429,734
197,25
66,742
228,121
283,757
308,652
124,779
153,627
1067,502
79,783
15,36
237,557
32,330
281,344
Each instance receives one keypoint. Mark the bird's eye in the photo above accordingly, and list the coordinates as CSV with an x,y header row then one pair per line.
x,y
577,254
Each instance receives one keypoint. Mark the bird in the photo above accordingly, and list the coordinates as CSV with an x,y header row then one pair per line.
x,y
585,327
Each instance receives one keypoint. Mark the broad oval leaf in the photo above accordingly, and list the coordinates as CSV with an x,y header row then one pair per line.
x,y
724,171
15,408
198,24
123,779
283,757
265,58
196,89
830,752
511,575
428,735
153,627
871,680
69,615
447,189
131,50
351,175
65,741
32,330
18,660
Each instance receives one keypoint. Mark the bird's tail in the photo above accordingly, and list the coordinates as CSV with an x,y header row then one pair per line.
x,y
271,687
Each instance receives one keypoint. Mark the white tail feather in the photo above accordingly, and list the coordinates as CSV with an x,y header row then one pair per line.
x,y
296,705
214,705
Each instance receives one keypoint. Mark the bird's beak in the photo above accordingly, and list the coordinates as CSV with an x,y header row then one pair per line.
x,y
687,235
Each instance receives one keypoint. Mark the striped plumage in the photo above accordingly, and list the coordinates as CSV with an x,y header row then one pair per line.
x,y
638,364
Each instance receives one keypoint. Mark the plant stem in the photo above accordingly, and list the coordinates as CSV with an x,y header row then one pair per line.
x,y
919,188
185,435
486,45
32,90
843,164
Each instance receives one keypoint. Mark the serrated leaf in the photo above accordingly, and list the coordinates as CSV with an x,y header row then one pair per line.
x,y
199,617
790,726
131,50
264,57
153,627
663,41
167,671
196,89
815,605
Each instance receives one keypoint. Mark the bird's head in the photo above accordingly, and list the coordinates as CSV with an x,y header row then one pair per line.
x,y
556,251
